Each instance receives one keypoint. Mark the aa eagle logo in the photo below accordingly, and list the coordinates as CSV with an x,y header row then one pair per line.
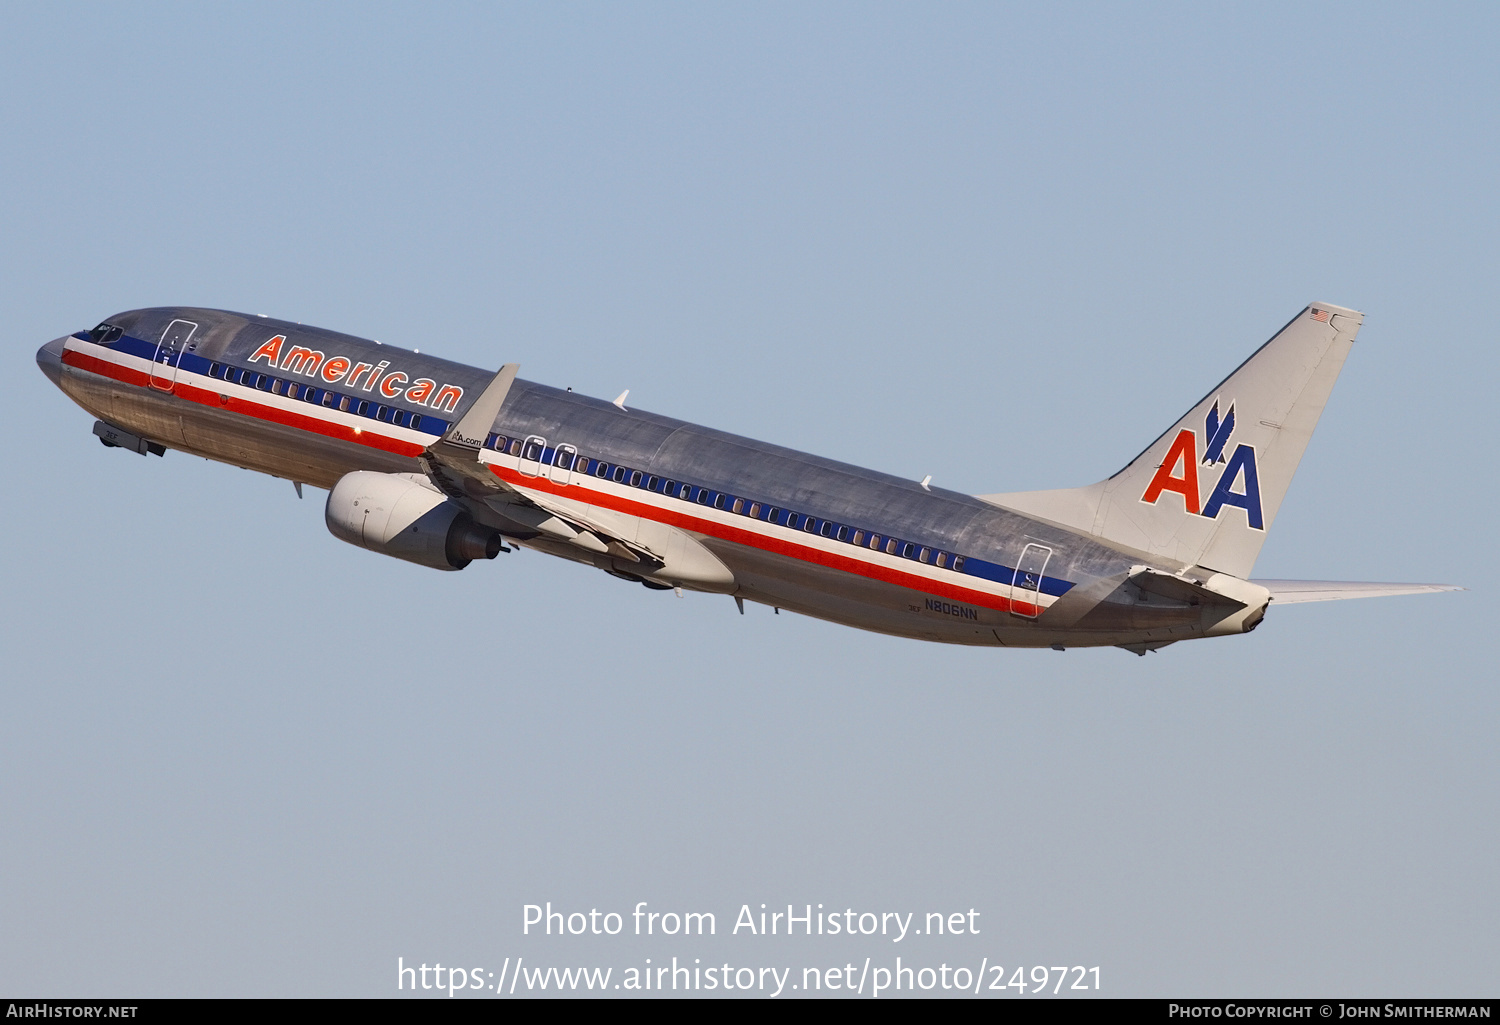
x,y
1238,484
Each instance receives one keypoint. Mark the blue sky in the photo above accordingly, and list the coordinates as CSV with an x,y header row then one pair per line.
x,y
1005,246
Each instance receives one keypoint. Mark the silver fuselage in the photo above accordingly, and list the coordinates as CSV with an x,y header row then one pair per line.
x,y
792,530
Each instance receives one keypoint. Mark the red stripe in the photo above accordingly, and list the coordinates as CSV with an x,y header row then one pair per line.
x,y
711,528
751,539
247,407
104,368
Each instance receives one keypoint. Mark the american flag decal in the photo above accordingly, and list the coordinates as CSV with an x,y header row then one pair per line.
x,y
1321,316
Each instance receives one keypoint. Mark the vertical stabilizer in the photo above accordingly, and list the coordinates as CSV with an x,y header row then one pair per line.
x,y
1206,491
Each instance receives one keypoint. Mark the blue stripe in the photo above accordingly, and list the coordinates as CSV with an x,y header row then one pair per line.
x,y
1007,575
193,363
135,346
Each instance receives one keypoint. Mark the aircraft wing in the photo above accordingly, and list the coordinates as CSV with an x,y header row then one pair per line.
x,y
453,464
1290,592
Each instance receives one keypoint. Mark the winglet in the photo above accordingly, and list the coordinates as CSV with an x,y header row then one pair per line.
x,y
473,428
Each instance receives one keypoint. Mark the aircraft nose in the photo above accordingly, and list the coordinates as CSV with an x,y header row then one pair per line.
x,y
49,358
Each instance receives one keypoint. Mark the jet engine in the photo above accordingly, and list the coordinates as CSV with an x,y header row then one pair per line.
x,y
405,516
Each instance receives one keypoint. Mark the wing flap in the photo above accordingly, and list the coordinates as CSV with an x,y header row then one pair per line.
x,y
1291,592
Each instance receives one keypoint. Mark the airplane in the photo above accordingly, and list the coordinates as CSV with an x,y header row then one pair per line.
x,y
440,464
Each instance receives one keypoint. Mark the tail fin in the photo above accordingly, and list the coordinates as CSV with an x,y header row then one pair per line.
x,y
1206,491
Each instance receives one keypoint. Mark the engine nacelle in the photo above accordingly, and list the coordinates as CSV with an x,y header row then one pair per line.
x,y
403,515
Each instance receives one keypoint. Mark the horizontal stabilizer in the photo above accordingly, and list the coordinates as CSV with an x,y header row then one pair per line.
x,y
1289,592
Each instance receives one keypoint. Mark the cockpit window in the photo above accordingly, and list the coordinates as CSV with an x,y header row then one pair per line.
x,y
106,333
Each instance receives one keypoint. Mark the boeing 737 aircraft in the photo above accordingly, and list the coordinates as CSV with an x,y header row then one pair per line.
x,y
441,464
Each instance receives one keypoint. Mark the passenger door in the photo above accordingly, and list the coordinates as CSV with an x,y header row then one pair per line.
x,y
174,341
1026,586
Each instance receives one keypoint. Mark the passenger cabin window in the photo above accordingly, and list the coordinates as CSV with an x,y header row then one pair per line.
x,y
566,458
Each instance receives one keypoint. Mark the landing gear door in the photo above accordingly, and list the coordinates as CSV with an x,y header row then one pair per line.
x,y
174,341
1026,588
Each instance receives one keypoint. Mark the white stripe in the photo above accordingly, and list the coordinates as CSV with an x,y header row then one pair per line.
x,y
829,545
316,411
724,517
